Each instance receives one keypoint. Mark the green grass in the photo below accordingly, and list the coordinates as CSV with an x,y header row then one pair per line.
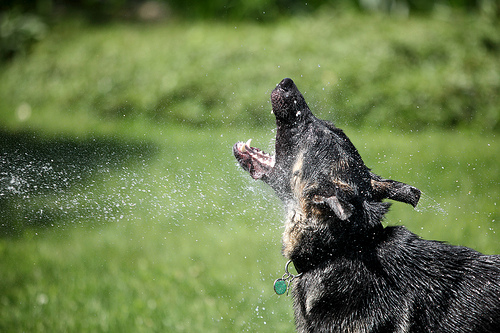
x,y
197,246
192,248
163,231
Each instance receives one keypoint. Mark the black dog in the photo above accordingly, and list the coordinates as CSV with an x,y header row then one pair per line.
x,y
357,276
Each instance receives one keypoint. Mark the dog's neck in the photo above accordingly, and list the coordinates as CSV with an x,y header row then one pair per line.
x,y
309,241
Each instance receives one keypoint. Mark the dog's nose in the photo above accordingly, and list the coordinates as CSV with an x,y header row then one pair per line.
x,y
286,84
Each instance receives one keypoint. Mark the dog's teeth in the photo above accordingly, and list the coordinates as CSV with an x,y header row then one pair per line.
x,y
243,149
248,142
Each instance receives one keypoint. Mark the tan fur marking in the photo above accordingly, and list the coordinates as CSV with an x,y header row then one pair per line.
x,y
378,186
294,226
296,219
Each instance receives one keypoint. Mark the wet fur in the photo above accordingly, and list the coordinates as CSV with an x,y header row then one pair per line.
x,y
356,275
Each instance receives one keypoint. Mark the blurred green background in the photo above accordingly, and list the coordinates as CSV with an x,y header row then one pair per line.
x,y
121,206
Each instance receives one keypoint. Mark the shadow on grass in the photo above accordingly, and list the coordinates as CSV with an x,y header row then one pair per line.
x,y
32,167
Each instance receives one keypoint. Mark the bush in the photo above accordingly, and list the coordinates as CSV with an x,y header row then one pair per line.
x,y
366,70
261,10
18,32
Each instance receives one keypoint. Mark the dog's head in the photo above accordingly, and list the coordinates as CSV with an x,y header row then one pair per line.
x,y
315,164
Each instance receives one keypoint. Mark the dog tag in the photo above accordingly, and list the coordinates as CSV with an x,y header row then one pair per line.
x,y
280,286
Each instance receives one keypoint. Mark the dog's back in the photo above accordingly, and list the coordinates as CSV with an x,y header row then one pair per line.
x,y
400,283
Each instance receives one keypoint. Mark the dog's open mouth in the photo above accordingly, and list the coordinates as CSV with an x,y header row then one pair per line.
x,y
253,160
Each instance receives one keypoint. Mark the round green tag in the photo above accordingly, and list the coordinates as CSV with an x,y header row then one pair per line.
x,y
280,286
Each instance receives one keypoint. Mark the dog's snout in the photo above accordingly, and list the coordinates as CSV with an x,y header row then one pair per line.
x,y
286,84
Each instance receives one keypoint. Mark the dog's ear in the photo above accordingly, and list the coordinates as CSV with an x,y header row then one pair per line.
x,y
391,189
342,209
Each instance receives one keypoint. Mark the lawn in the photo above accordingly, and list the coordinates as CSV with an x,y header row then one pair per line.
x,y
122,206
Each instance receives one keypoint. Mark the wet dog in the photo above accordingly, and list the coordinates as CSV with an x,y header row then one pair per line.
x,y
356,275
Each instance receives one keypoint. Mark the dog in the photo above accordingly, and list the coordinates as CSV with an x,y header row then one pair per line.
x,y
354,274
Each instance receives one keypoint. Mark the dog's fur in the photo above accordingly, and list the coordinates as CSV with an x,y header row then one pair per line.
x,y
356,275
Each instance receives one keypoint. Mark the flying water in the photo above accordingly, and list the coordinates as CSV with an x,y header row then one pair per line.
x,y
429,204
41,191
